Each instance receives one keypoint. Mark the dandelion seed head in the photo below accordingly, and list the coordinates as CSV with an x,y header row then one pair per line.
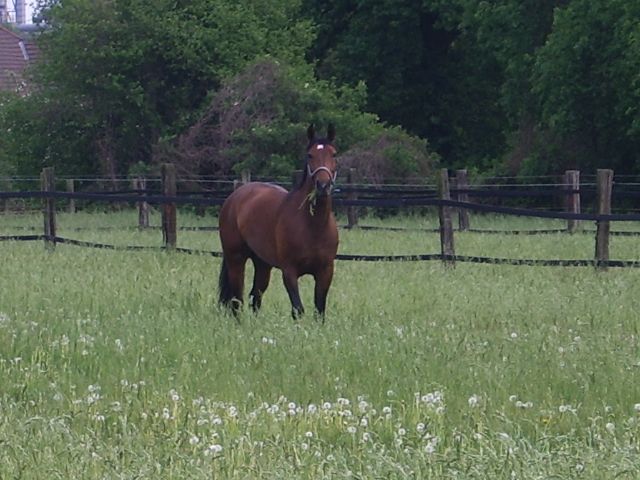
x,y
213,449
175,397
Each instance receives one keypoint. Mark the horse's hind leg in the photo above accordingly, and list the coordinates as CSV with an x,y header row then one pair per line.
x,y
232,285
261,276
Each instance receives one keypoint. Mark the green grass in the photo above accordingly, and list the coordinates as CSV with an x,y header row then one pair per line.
x,y
121,364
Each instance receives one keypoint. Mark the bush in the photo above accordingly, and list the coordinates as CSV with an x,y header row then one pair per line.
x,y
258,119
391,155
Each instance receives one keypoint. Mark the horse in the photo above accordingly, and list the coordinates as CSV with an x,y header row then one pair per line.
x,y
294,231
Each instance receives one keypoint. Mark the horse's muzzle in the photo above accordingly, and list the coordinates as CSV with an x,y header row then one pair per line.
x,y
323,189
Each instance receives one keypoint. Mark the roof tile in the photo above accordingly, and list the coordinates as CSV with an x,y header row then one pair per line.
x,y
12,58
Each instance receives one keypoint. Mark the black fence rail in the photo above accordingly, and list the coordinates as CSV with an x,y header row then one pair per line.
x,y
492,191
350,257
352,196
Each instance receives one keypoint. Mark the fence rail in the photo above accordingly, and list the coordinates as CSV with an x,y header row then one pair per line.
x,y
357,195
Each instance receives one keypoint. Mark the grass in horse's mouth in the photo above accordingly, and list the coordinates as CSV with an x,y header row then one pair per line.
x,y
311,198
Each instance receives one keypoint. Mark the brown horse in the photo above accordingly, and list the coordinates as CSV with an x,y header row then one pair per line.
x,y
293,231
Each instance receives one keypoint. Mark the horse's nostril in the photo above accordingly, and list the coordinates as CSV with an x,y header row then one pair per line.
x,y
322,187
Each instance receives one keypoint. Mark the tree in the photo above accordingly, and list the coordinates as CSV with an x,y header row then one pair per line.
x,y
586,77
38,131
138,70
421,70
257,121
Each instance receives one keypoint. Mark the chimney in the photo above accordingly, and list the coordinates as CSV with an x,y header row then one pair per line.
x,y
21,12
3,11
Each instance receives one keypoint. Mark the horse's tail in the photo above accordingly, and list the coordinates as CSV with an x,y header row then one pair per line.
x,y
224,287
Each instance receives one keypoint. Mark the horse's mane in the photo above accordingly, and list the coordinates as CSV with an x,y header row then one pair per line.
x,y
305,171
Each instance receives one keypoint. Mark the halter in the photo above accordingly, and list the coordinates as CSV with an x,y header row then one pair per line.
x,y
332,175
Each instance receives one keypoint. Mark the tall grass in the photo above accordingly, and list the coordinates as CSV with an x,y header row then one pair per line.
x,y
121,364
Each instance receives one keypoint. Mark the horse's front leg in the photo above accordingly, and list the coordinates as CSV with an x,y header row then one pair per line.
x,y
290,277
262,273
323,282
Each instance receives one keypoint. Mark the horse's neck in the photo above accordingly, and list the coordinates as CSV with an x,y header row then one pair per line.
x,y
318,213
323,209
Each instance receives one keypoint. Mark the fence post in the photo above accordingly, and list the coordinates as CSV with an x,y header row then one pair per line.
x,y
140,184
71,188
572,184
604,188
4,203
48,184
352,210
169,222
245,176
462,183
444,214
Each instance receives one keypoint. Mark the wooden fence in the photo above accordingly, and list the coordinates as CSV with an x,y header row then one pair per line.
x,y
447,208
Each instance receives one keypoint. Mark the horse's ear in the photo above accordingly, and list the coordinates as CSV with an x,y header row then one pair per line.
x,y
311,132
331,132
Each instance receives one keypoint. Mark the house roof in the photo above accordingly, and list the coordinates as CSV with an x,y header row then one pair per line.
x,y
16,53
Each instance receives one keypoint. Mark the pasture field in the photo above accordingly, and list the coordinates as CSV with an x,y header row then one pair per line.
x,y
119,364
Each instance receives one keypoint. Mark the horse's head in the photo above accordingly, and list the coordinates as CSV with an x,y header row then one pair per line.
x,y
321,165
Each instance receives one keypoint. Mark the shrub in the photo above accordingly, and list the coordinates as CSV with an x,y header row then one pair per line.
x,y
257,121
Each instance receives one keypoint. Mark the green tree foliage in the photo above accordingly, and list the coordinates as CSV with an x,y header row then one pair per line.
x,y
510,31
506,34
38,131
511,85
586,77
527,86
257,121
136,70
421,70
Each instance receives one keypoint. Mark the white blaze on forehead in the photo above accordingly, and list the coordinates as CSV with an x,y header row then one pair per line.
x,y
319,147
